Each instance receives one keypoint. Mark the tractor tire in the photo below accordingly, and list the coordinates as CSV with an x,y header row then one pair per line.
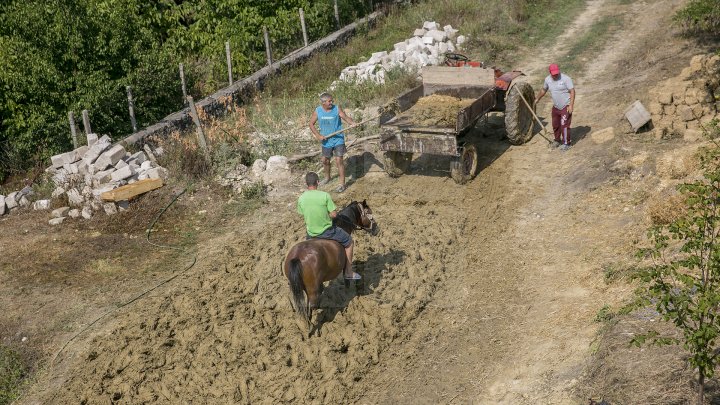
x,y
396,163
519,122
464,168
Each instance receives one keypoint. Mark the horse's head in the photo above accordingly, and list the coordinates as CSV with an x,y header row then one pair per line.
x,y
367,222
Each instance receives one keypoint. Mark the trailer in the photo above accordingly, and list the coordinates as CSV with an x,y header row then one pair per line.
x,y
486,90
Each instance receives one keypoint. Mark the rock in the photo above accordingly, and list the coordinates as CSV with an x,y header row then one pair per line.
x,y
41,205
123,205
56,221
75,198
692,135
157,173
60,212
24,202
258,167
2,204
450,31
685,113
460,40
11,201
665,98
138,157
74,213
147,165
87,212
431,25
420,32
110,208
438,36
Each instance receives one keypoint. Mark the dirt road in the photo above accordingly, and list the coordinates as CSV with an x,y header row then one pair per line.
x,y
483,293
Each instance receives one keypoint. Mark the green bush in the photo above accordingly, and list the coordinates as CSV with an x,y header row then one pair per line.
x,y
700,16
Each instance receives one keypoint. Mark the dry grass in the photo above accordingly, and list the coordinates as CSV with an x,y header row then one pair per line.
x,y
664,209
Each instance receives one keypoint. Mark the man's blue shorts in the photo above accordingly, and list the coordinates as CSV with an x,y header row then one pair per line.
x,y
337,150
336,234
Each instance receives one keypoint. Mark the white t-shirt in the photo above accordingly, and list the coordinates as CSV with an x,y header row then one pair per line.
x,y
559,90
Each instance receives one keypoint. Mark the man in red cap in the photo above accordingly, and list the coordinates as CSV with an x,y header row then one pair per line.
x,y
563,97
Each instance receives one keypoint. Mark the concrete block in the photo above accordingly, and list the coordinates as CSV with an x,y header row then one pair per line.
x,y
75,198
157,173
451,47
87,212
427,40
92,139
64,158
2,205
438,36
74,213
120,164
104,176
400,46
143,176
71,168
41,205
60,212
82,167
110,157
81,151
110,208
95,151
431,25
420,32
122,174
138,157
450,31
58,192
56,221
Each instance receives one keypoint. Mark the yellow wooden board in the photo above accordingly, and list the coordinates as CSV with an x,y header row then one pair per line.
x,y
132,190
458,76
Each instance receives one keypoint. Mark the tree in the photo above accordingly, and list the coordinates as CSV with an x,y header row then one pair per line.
x,y
683,280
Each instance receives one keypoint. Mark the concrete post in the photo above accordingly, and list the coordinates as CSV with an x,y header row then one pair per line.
x,y
196,119
229,62
268,50
182,81
73,132
86,122
302,24
337,14
131,108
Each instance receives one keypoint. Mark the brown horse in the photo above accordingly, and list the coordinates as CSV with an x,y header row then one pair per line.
x,y
312,262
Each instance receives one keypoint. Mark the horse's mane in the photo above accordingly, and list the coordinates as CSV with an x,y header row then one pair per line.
x,y
347,216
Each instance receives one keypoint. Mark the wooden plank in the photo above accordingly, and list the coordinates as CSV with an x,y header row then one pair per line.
x,y
132,190
434,76
433,144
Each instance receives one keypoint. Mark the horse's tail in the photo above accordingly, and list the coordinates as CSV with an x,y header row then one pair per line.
x,y
297,286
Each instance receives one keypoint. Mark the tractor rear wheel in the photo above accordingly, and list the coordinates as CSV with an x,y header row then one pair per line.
x,y
518,117
464,168
397,163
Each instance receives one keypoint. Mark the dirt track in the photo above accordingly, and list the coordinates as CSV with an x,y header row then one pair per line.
x,y
484,292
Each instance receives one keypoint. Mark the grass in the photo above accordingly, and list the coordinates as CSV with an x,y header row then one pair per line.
x,y
589,44
12,372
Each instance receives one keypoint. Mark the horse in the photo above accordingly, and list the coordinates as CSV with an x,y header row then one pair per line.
x,y
312,262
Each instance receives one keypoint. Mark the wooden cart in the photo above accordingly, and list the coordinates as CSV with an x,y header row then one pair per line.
x,y
400,137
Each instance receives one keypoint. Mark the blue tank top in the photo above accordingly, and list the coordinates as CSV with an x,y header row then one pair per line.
x,y
329,122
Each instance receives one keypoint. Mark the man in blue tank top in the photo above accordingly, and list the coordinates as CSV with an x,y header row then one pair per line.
x,y
329,118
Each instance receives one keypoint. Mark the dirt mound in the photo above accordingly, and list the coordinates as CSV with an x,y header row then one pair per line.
x,y
230,333
437,110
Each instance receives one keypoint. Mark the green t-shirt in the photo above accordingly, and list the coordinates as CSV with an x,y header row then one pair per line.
x,y
315,206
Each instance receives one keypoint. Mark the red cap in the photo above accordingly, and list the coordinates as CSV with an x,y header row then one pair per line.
x,y
554,69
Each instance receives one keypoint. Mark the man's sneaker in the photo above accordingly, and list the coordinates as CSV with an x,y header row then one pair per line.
x,y
565,146
554,144
340,188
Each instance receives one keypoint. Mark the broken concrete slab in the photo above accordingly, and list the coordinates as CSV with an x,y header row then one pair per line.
x,y
157,173
56,221
87,212
64,158
110,208
41,205
75,198
74,213
122,173
60,212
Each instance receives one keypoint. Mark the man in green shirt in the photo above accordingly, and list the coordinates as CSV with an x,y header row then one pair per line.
x,y
318,209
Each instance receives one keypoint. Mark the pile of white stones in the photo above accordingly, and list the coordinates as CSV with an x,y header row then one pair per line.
x,y
84,174
427,47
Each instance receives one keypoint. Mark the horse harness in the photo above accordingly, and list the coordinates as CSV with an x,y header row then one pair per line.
x,y
341,217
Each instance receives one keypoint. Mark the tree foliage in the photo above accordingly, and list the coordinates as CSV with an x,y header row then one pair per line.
x,y
62,55
683,281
